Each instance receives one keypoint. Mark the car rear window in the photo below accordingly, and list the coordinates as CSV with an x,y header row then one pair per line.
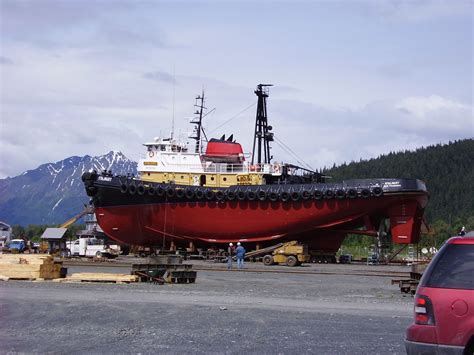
x,y
454,268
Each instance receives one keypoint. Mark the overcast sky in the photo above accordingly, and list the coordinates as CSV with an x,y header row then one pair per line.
x,y
352,79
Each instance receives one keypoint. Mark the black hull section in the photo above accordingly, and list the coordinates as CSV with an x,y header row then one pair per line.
x,y
107,190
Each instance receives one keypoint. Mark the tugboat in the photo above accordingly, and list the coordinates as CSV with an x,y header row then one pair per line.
x,y
217,195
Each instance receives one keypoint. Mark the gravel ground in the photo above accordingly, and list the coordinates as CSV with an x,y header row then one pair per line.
x,y
223,313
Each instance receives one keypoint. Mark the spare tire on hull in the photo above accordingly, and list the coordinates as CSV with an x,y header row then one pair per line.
x,y
160,191
365,193
317,194
123,188
251,195
284,196
230,195
189,193
91,191
328,194
132,189
170,192
377,191
179,193
151,191
352,193
200,194
141,189
241,195
273,196
306,195
210,195
295,196
340,193
262,195
220,196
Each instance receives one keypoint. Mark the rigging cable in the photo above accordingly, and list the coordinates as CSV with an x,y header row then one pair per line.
x,y
230,119
292,153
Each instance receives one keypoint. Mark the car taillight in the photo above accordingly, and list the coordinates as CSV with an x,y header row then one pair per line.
x,y
424,310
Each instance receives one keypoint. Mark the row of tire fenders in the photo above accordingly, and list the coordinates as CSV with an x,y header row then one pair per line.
x,y
246,193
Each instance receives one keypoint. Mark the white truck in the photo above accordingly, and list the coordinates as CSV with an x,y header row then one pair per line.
x,y
92,247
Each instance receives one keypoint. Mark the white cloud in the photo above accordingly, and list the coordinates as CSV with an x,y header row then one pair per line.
x,y
345,88
421,107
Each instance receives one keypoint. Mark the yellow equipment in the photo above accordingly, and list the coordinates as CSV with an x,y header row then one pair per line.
x,y
291,253
87,209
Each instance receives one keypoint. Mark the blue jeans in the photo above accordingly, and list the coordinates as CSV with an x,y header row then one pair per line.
x,y
229,262
240,263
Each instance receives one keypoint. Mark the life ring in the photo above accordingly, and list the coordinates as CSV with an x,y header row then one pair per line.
x,y
253,168
151,154
276,169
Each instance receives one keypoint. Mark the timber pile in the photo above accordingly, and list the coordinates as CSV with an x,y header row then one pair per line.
x,y
99,277
29,267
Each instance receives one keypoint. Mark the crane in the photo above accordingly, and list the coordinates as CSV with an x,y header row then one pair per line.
x,y
87,209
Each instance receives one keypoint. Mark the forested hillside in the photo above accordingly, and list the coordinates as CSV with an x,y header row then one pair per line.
x,y
447,170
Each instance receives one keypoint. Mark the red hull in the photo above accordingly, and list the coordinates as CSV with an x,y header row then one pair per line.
x,y
257,221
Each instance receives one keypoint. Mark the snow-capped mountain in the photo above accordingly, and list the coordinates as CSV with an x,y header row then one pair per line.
x,y
54,192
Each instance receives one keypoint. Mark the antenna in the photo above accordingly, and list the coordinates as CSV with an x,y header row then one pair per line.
x,y
174,89
262,136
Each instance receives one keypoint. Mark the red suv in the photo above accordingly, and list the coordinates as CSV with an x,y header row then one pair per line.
x,y
444,302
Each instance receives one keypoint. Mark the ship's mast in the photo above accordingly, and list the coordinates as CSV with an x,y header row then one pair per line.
x,y
197,120
262,136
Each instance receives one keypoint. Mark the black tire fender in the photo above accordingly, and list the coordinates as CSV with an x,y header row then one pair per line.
x,y
317,194
262,195
328,194
284,196
141,189
151,191
230,195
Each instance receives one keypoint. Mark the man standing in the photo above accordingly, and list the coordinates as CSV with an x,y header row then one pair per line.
x,y
240,253
230,251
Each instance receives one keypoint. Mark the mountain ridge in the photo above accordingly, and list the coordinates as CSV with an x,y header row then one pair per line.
x,y
54,192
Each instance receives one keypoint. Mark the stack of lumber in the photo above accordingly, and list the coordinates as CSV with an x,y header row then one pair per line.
x,y
29,266
100,277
